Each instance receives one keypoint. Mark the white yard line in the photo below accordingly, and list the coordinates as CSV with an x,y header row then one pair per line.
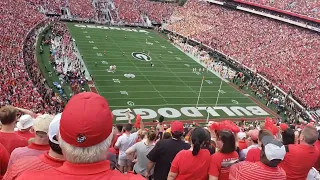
x,y
175,74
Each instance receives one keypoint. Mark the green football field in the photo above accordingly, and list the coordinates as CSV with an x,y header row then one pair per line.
x,y
169,88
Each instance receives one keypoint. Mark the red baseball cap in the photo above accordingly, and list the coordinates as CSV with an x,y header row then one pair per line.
x,y
86,120
177,126
284,126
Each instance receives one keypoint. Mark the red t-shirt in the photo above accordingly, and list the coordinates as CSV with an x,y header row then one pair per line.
x,y
25,134
242,144
317,145
255,171
220,164
299,160
11,141
4,159
253,155
188,166
100,170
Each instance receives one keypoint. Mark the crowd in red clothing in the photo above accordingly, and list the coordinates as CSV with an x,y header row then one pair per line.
x,y
81,142
308,8
286,55
131,11
82,9
17,61
128,11
48,5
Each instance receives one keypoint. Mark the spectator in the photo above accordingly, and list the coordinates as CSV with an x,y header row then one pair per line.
x,y
118,133
253,154
209,144
273,152
253,143
288,136
4,159
166,135
242,143
48,160
300,158
142,149
193,163
225,157
85,134
8,138
24,126
317,144
126,140
40,143
161,156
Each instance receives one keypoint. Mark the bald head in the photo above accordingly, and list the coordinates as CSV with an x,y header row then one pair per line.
x,y
310,135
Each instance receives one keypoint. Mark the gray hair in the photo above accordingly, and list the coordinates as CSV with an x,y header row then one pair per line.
x,y
85,155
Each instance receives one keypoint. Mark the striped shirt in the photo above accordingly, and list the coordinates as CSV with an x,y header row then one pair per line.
x,y
31,150
32,163
255,171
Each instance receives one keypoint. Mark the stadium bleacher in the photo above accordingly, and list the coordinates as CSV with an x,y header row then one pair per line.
x,y
281,52
82,142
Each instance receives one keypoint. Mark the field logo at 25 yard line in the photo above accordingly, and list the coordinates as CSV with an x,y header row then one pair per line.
x,y
141,56
191,112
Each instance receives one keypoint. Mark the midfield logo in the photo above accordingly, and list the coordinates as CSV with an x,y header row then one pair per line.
x,y
141,56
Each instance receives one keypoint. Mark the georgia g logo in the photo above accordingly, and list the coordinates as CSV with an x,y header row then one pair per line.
x,y
141,56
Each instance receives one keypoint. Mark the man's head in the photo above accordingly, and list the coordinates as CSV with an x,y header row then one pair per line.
x,y
8,115
254,136
288,136
25,122
53,134
309,135
177,129
128,127
119,128
86,129
41,127
273,151
241,135
263,133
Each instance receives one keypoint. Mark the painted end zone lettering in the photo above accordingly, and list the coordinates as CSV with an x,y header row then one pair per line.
x,y
112,28
199,112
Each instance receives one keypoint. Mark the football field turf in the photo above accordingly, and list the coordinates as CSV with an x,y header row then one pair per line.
x,y
169,88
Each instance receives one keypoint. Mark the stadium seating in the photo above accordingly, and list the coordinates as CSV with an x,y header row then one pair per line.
x,y
309,8
156,11
284,54
18,18
48,5
130,11
82,9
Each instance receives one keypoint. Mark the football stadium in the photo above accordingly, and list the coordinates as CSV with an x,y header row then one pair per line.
x,y
160,89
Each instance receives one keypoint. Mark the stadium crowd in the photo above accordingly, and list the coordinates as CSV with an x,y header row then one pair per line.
x,y
131,11
307,8
82,9
21,81
285,54
65,59
79,143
